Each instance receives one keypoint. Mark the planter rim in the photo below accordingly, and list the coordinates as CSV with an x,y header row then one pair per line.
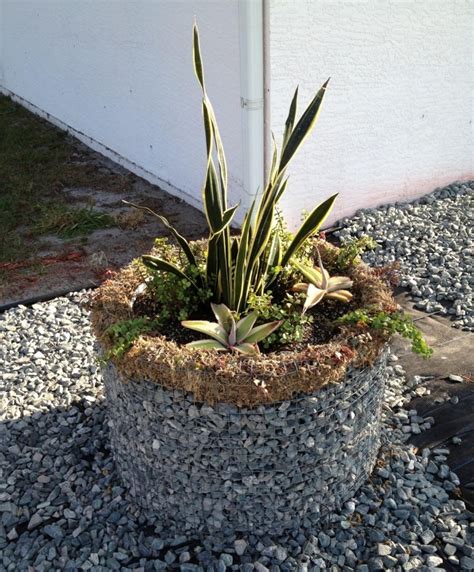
x,y
214,377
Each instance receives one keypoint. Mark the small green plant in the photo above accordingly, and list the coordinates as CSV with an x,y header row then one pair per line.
x,y
321,285
228,334
391,323
294,324
349,253
123,334
175,297
69,222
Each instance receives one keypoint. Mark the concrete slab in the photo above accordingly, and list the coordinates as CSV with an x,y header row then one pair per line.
x,y
453,348
450,403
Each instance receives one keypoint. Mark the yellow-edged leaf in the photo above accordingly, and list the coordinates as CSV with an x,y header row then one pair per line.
x,y
206,345
261,332
311,225
210,328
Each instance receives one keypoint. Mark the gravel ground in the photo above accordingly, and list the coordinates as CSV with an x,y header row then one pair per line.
x,y
432,238
63,508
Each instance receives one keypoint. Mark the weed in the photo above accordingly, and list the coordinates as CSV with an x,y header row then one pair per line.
x,y
69,222
123,334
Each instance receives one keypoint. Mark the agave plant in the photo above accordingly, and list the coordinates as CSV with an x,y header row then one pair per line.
x,y
321,285
235,266
227,334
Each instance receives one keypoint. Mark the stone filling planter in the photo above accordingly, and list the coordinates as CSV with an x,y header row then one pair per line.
x,y
262,469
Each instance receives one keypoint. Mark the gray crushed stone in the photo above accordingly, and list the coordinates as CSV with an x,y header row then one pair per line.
x,y
217,467
433,240
62,506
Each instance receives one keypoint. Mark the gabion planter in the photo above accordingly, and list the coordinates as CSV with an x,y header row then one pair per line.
x,y
262,469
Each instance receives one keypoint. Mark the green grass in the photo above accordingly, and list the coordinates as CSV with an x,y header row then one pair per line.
x,y
35,165
69,222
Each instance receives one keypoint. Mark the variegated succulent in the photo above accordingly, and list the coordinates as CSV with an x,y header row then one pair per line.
x,y
320,285
251,262
227,334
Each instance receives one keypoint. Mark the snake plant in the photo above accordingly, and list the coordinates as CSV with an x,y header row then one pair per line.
x,y
251,262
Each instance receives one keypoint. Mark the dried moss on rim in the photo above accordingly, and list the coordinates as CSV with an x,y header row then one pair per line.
x,y
215,377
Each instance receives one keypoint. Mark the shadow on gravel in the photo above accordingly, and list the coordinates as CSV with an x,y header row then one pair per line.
x,y
446,393
452,407
62,503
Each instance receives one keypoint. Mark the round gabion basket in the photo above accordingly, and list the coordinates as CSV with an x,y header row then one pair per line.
x,y
262,469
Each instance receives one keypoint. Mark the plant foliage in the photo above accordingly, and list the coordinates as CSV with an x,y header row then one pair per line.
x,y
394,323
349,253
321,285
237,265
123,334
294,324
254,275
227,334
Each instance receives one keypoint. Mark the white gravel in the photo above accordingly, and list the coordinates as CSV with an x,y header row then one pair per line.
x,y
63,508
432,238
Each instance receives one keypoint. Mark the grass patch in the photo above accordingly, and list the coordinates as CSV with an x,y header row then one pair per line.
x,y
37,161
68,222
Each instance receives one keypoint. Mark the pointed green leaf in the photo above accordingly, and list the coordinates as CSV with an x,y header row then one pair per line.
x,y
313,297
300,287
225,270
339,283
208,130
274,255
198,69
303,128
224,316
290,120
257,246
213,137
242,256
245,325
342,295
274,165
227,217
313,275
281,190
232,334
219,148
212,264
212,200
324,272
310,226
210,328
261,332
183,243
206,345
247,349
234,250
155,263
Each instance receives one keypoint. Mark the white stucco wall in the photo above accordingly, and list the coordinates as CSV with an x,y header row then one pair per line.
x,y
120,72
397,118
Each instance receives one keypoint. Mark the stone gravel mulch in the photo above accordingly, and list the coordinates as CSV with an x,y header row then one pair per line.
x,y
433,239
63,508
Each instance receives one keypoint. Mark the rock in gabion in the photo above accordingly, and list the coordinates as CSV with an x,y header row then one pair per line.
x,y
227,468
